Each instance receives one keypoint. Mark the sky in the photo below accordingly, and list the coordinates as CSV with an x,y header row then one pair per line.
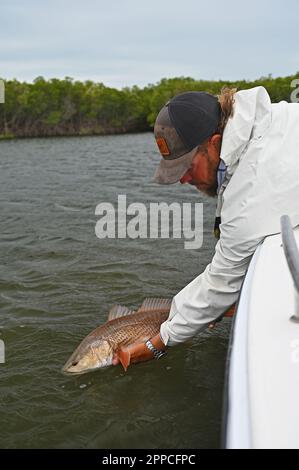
x,y
138,42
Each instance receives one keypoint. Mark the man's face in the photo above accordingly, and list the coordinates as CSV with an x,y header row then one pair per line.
x,y
203,172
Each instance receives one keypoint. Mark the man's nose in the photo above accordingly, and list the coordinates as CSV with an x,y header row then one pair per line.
x,y
186,178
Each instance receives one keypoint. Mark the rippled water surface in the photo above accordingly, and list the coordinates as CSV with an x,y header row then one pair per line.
x,y
57,283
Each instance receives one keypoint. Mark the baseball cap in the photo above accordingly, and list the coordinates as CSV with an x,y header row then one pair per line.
x,y
184,123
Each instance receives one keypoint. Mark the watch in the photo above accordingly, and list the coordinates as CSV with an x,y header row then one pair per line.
x,y
157,353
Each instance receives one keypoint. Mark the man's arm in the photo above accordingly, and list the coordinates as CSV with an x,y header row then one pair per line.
x,y
206,298
243,228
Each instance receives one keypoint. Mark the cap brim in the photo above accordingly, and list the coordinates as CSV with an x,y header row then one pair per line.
x,y
171,171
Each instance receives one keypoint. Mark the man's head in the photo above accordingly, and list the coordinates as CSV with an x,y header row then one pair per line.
x,y
187,134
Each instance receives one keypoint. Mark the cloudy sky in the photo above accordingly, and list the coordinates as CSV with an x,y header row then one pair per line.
x,y
136,42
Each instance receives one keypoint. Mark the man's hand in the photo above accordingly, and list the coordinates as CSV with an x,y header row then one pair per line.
x,y
229,313
137,352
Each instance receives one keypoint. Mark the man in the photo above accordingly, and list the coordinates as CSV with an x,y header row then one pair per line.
x,y
245,150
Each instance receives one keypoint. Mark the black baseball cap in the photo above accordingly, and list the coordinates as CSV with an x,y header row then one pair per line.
x,y
184,123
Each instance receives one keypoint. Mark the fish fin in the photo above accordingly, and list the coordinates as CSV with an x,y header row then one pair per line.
x,y
118,311
155,304
124,356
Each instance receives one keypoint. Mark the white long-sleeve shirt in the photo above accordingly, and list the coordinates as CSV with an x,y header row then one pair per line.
x,y
260,148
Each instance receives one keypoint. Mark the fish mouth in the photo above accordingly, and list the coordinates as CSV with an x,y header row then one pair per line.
x,y
69,368
66,370
71,365
70,372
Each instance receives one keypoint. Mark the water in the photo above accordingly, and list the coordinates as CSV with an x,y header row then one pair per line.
x,y
57,283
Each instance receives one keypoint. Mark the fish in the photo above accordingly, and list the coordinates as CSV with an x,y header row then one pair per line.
x,y
123,328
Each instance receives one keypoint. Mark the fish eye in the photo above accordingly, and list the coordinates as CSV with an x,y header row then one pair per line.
x,y
74,363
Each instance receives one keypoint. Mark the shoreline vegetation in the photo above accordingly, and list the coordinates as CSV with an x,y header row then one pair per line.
x,y
54,107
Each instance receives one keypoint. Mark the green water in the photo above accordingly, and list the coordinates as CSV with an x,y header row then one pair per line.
x,y
57,283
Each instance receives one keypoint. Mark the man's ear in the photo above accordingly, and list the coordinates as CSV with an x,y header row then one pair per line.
x,y
215,141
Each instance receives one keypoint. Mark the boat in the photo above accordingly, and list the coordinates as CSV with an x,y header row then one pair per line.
x,y
261,409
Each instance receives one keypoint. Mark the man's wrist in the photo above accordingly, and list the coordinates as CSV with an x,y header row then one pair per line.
x,y
158,343
157,353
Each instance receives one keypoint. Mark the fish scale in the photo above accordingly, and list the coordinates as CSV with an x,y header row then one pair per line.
x,y
131,328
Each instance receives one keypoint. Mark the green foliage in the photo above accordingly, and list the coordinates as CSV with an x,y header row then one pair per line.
x,y
68,107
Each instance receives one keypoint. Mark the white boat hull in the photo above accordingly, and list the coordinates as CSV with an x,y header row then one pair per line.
x,y
263,378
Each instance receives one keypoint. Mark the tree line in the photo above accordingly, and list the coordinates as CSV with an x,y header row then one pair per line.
x,y
69,107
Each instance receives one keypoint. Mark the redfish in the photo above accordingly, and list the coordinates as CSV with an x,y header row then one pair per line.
x,y
123,328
